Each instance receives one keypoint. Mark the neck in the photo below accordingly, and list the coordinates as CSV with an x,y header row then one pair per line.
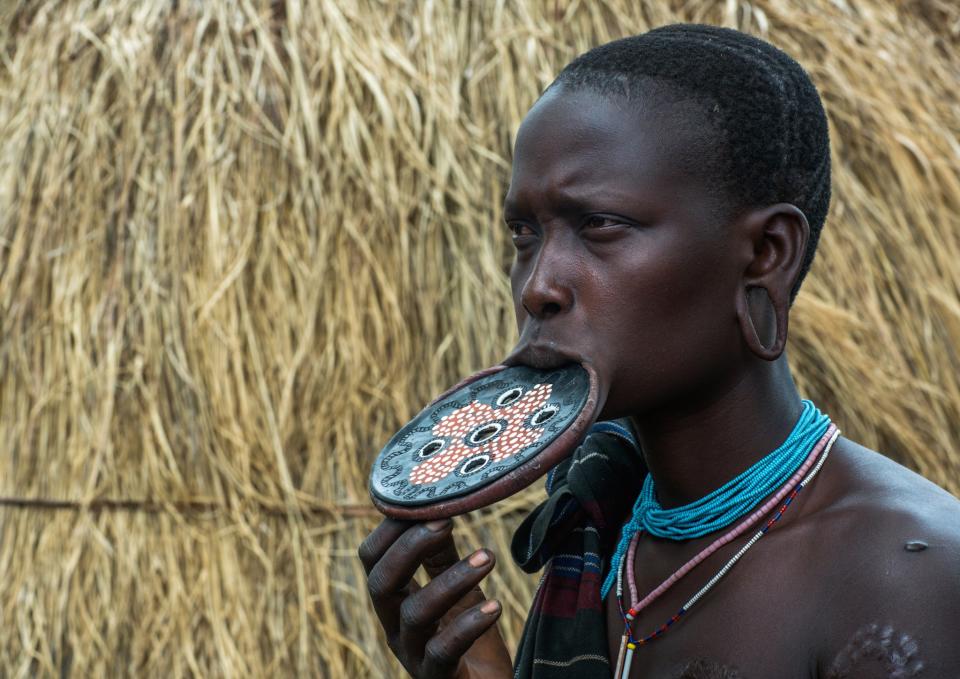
x,y
692,450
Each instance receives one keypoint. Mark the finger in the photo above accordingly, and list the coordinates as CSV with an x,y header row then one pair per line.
x,y
443,652
422,610
443,557
375,544
389,577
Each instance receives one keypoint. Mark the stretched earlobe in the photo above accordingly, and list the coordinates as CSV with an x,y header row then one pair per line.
x,y
749,327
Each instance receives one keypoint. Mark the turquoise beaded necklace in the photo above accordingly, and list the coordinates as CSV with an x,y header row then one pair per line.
x,y
725,504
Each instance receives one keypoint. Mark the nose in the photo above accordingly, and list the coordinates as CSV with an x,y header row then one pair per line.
x,y
547,291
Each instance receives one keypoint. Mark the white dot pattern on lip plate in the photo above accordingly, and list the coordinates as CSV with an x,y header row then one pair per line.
x,y
400,478
513,437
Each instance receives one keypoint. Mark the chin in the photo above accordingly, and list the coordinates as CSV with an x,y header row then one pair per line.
x,y
612,415
614,410
625,402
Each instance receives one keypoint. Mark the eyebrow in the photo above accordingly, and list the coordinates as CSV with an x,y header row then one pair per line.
x,y
561,197
587,196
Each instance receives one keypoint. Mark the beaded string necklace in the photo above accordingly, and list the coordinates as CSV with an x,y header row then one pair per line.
x,y
791,489
726,504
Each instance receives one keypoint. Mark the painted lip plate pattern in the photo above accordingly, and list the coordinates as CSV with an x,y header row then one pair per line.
x,y
395,477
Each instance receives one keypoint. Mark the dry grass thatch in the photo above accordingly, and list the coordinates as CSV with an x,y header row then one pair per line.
x,y
241,242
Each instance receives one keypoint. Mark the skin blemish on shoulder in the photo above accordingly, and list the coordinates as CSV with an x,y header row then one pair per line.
x,y
875,646
915,546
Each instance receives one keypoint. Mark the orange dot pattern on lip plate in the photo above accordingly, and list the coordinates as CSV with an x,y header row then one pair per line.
x,y
457,426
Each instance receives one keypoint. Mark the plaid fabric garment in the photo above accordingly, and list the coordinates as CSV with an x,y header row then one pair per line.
x,y
569,535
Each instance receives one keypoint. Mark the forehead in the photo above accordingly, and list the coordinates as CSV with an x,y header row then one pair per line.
x,y
607,144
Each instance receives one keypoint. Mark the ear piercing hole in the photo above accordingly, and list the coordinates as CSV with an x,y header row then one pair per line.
x,y
484,433
431,448
509,396
544,415
474,464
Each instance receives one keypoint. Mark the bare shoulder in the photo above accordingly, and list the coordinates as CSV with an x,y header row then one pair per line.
x,y
889,543
872,492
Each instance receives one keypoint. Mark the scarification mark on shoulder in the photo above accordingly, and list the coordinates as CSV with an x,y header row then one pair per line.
x,y
706,669
874,644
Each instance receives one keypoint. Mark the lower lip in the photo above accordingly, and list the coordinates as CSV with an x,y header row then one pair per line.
x,y
542,358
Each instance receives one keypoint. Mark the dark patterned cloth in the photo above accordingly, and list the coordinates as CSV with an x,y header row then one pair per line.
x,y
570,537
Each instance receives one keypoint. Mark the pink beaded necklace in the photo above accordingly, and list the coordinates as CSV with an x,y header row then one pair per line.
x,y
789,490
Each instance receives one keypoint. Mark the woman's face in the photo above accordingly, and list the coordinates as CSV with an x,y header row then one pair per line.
x,y
620,259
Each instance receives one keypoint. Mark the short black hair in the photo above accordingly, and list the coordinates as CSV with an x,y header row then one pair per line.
x,y
775,142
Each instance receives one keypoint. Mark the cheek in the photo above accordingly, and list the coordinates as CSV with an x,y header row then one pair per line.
x,y
674,316
517,279
663,290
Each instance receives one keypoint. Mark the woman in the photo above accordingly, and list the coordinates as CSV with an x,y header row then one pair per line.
x,y
666,201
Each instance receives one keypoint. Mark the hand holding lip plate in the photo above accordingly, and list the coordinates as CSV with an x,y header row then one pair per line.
x,y
485,439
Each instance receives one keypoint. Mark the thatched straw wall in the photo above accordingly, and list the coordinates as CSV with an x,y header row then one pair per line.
x,y
242,242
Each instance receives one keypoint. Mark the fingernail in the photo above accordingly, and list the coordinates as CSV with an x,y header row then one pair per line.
x,y
479,558
490,607
437,526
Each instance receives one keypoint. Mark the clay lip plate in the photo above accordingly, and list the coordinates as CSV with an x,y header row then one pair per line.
x,y
483,440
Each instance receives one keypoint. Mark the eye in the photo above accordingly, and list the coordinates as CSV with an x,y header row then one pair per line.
x,y
523,235
599,228
601,222
520,229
